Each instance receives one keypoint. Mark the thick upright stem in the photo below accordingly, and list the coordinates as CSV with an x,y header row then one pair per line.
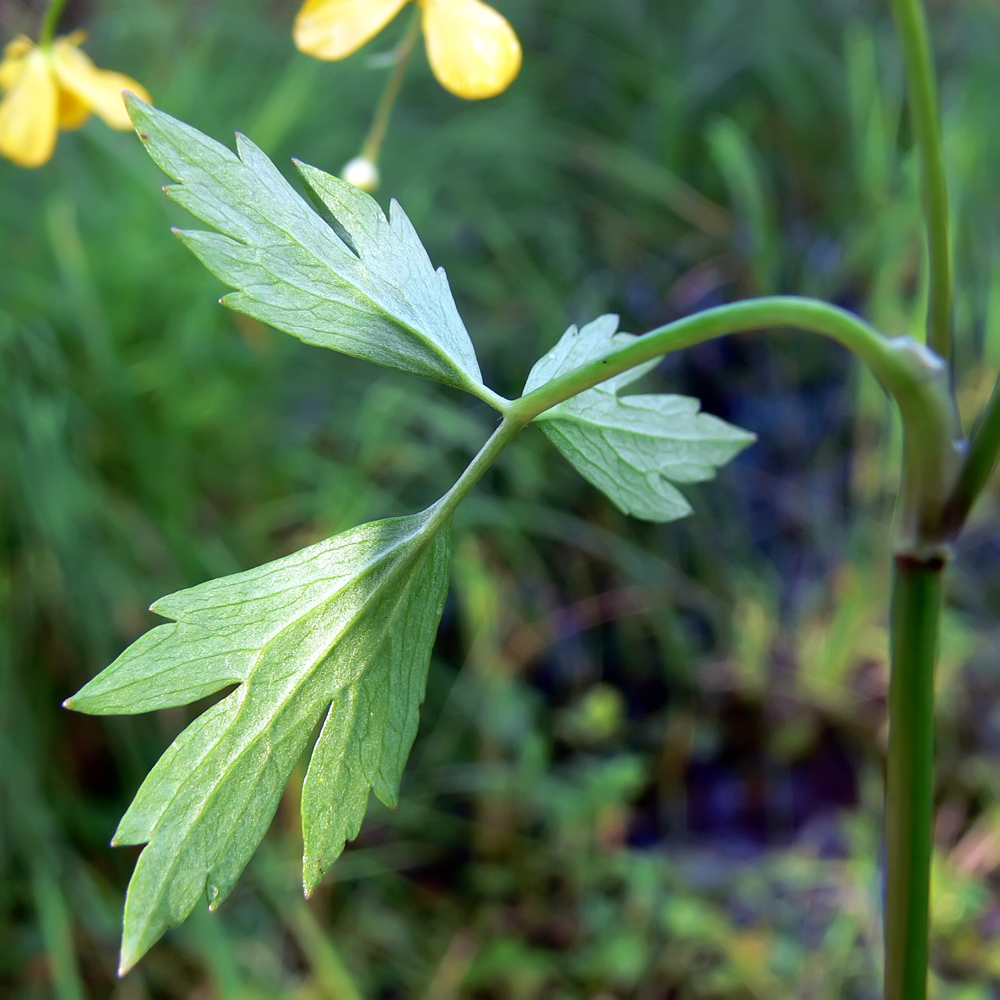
x,y
916,604
916,601
921,85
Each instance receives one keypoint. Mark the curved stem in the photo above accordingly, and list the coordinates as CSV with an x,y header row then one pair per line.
x,y
916,379
916,605
913,376
903,368
383,112
50,22
921,85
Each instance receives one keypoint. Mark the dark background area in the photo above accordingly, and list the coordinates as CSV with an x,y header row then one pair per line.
x,y
649,764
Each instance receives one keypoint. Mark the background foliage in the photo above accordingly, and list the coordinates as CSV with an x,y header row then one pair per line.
x,y
649,763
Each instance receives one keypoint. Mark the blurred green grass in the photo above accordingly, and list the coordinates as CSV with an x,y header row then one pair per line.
x,y
649,763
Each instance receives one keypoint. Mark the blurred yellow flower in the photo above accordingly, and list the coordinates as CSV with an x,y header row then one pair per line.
x,y
52,87
472,49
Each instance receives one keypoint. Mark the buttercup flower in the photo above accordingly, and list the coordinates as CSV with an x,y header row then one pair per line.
x,y
52,87
473,51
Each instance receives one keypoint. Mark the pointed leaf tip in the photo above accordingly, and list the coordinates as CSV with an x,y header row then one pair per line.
x,y
127,959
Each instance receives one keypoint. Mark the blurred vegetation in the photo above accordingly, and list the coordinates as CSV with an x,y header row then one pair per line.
x,y
650,759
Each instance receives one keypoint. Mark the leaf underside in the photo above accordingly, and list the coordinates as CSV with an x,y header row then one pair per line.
x,y
343,629
632,448
338,634
350,279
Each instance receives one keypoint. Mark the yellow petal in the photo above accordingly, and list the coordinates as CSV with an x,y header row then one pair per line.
x,y
473,51
333,29
12,65
97,89
28,114
73,113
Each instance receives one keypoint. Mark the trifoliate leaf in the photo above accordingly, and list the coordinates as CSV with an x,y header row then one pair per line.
x,y
343,628
361,283
631,447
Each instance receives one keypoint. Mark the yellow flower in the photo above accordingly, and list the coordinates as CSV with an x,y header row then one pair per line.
x,y
472,49
52,87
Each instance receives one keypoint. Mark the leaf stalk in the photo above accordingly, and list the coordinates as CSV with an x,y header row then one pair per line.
x,y
916,378
509,428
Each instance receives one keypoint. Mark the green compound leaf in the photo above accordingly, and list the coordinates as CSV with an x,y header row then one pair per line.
x,y
359,283
631,447
343,629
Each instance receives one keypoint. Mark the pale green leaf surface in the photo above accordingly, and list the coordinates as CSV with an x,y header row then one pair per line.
x,y
343,629
361,283
632,448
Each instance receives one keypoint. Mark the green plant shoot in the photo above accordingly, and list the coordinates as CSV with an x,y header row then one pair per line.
x,y
338,636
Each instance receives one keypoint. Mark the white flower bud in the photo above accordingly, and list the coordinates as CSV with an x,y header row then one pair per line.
x,y
362,174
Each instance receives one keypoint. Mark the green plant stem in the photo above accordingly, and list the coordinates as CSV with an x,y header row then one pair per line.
x,y
383,112
488,454
916,599
916,605
921,85
906,371
50,22
984,447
